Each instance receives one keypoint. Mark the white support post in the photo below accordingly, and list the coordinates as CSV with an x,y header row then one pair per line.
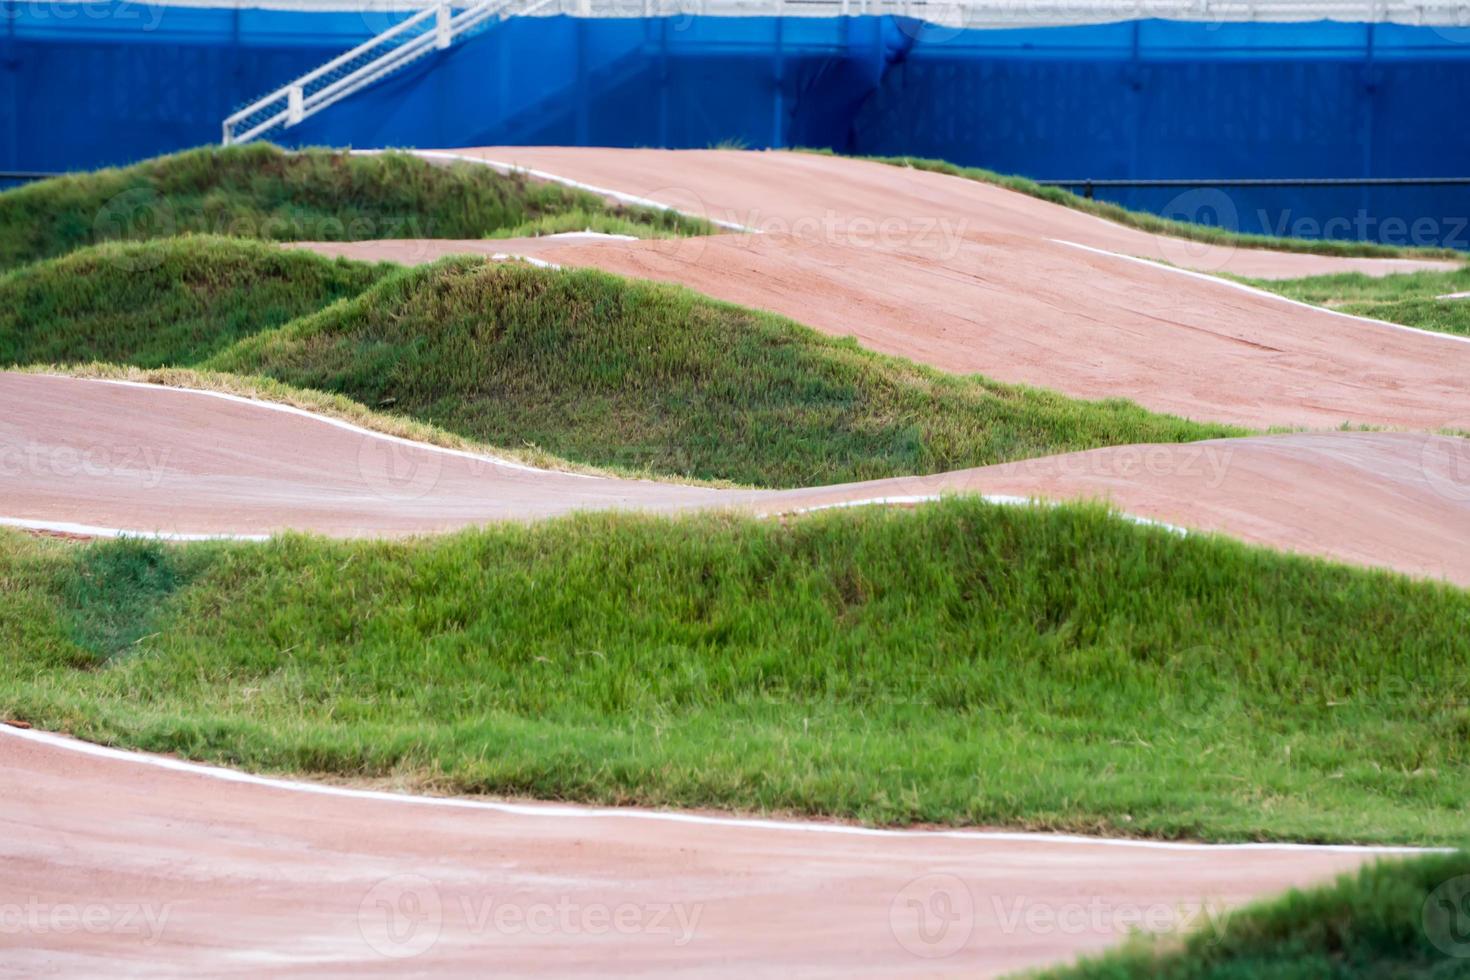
x,y
294,112
442,33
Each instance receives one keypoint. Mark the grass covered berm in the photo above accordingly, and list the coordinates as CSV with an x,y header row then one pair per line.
x,y
1402,919
1410,298
604,371
960,663
259,191
171,302
643,376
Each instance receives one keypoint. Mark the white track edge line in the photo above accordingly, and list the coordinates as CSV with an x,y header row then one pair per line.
x,y
274,406
1242,287
528,259
93,531
564,811
511,168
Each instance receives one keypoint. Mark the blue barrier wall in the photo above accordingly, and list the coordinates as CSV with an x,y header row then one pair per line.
x,y
110,83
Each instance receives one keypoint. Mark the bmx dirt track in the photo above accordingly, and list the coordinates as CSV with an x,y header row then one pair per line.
x,y
104,456
190,875
251,877
967,277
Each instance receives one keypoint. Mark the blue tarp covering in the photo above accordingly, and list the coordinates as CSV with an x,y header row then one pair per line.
x,y
104,83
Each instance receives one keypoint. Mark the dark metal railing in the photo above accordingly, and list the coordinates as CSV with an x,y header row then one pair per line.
x,y
1089,184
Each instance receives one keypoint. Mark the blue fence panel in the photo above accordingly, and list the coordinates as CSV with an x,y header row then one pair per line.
x,y
89,85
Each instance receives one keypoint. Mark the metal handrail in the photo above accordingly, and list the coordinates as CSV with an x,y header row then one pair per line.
x,y
299,103
361,49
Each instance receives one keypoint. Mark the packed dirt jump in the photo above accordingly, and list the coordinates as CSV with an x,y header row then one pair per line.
x,y
971,278
1371,498
953,273
240,878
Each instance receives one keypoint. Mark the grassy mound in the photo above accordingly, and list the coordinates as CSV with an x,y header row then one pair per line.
x,y
1410,298
1153,223
168,302
958,663
1403,919
612,372
259,191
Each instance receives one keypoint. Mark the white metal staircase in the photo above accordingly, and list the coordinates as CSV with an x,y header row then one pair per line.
x,y
432,29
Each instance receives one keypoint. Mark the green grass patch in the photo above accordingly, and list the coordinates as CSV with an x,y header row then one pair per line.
x,y
1403,919
259,191
1153,223
630,376
112,591
638,375
961,663
1409,298
164,303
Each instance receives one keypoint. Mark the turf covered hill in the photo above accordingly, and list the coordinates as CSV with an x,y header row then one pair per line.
x,y
587,366
259,191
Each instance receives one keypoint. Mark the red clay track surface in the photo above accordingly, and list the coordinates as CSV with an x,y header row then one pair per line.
x,y
968,277
185,875
78,453
115,865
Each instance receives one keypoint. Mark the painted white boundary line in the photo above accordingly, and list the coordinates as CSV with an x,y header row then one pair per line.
x,y
563,811
529,260
92,531
1465,295
329,420
510,168
1242,287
